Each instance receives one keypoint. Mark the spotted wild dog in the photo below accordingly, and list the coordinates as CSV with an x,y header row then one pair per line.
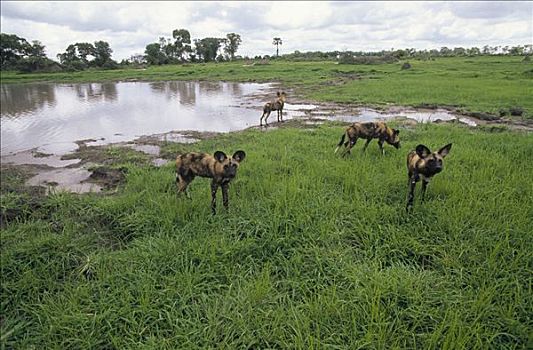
x,y
276,105
369,131
217,167
422,164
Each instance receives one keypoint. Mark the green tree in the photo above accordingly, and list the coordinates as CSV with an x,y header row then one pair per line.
x,y
516,50
473,51
444,51
12,49
277,42
154,55
459,51
36,49
71,59
84,50
182,43
207,48
102,55
232,42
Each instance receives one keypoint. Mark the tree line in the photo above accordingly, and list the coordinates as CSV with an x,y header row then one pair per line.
x,y
425,54
19,54
180,49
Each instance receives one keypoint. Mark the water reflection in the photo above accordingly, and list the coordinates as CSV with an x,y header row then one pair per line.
x,y
184,91
21,99
96,91
51,117
56,115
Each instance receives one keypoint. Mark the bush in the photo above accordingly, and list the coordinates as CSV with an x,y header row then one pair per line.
x,y
406,65
516,111
110,65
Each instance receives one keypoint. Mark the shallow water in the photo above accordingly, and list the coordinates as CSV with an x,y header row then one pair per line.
x,y
368,115
65,179
51,117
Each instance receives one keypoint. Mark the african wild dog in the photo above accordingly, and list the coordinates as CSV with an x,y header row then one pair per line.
x,y
276,105
369,131
217,167
423,164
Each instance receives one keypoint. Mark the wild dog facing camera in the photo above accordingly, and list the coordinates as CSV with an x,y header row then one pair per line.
x,y
218,167
422,164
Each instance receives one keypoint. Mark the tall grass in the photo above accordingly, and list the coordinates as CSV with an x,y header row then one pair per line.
x,y
315,252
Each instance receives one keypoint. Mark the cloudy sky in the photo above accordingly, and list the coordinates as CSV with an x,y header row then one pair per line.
x,y
303,26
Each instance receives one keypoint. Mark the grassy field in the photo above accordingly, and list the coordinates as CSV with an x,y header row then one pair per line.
x,y
469,84
316,251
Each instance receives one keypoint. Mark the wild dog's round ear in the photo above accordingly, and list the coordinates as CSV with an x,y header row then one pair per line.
x,y
220,156
445,150
422,151
239,156
396,131
278,93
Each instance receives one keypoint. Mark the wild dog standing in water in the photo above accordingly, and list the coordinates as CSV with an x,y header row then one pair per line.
x,y
276,105
217,167
369,131
423,164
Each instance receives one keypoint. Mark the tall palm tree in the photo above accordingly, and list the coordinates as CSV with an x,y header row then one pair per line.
x,y
277,42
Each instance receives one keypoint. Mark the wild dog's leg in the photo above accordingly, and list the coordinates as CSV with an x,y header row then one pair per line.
x,y
225,199
351,143
341,142
412,183
266,118
214,188
380,143
183,179
425,182
266,113
366,144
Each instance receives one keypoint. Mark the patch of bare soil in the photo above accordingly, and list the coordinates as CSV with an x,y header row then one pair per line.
x,y
106,177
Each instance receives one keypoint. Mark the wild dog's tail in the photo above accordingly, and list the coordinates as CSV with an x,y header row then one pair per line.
x,y
340,142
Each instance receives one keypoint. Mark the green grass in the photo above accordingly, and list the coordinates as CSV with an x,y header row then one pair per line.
x,y
315,252
470,84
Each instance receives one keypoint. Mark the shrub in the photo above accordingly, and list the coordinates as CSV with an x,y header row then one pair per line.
x,y
516,111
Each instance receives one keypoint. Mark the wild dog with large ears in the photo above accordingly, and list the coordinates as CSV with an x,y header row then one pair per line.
x,y
423,164
276,105
369,131
218,167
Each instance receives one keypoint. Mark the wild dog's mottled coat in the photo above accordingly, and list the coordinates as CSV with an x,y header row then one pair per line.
x,y
369,131
422,164
218,167
276,105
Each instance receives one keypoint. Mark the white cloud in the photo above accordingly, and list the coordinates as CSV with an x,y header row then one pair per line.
x,y
303,26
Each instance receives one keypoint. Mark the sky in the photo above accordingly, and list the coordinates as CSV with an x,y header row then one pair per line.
x,y
303,25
